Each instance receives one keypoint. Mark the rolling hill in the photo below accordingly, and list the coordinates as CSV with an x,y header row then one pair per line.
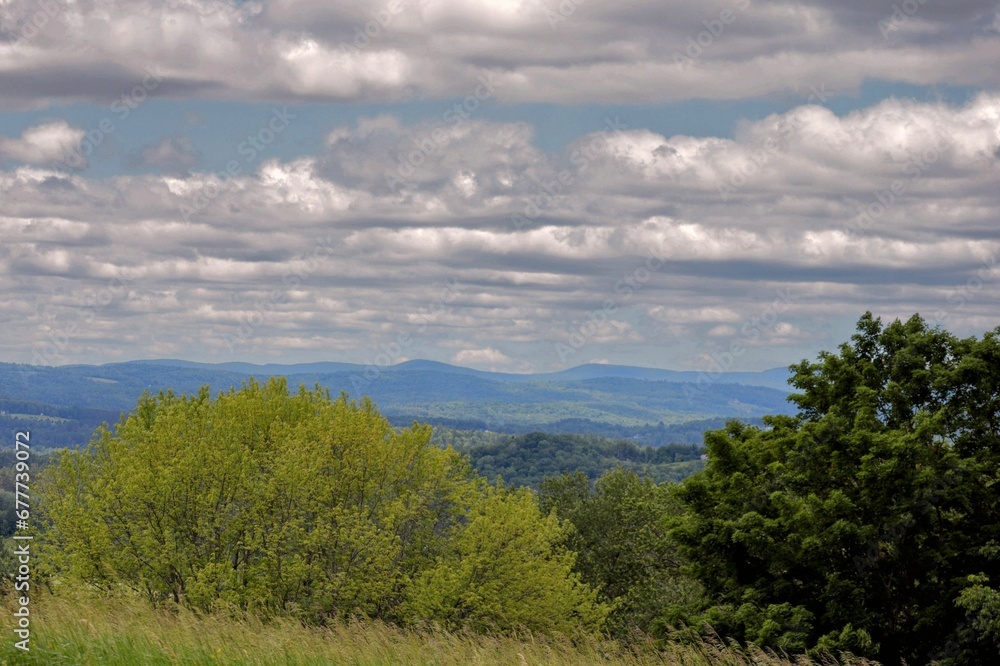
x,y
646,404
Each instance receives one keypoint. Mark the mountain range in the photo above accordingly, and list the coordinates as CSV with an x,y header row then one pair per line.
x,y
646,404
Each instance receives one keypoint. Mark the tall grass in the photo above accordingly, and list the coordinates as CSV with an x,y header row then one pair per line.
x,y
79,628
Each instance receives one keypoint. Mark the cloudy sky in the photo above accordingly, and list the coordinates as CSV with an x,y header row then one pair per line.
x,y
518,185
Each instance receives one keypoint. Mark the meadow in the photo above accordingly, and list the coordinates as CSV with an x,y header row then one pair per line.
x,y
80,628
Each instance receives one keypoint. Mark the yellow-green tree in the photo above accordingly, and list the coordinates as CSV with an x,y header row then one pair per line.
x,y
507,568
296,504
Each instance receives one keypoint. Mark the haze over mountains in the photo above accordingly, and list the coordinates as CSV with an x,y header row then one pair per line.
x,y
647,404
774,378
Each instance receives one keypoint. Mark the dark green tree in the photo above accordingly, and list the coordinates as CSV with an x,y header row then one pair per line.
x,y
869,522
620,533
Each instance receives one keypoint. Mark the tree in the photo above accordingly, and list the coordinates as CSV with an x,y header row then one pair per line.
x,y
272,502
983,606
620,532
485,579
858,524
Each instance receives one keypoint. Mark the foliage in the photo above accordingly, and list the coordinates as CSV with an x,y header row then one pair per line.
x,y
983,605
51,426
279,503
649,434
38,462
858,524
621,537
484,577
465,440
527,459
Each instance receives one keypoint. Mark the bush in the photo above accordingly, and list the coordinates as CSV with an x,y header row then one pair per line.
x,y
279,503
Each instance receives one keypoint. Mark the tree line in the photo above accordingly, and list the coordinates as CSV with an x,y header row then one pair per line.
x,y
526,460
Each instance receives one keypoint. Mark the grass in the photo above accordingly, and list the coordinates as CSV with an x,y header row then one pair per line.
x,y
85,629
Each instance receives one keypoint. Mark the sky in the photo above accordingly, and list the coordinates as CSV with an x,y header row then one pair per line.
x,y
510,185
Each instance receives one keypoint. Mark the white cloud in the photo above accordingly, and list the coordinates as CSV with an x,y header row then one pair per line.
x,y
318,256
612,51
486,359
43,144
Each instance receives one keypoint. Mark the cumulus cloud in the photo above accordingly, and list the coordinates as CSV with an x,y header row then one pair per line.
x,y
630,245
43,144
473,159
544,50
484,359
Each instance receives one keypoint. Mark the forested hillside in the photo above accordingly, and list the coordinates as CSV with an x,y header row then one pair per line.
x,y
525,460
520,460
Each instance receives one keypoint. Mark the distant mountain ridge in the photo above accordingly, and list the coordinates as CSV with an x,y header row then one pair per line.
x,y
645,404
776,378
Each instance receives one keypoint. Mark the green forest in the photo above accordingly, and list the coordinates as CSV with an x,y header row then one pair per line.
x,y
866,524
526,460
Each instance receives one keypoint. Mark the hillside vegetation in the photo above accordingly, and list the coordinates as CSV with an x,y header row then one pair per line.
x,y
77,628
867,524
526,460
870,522
296,504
